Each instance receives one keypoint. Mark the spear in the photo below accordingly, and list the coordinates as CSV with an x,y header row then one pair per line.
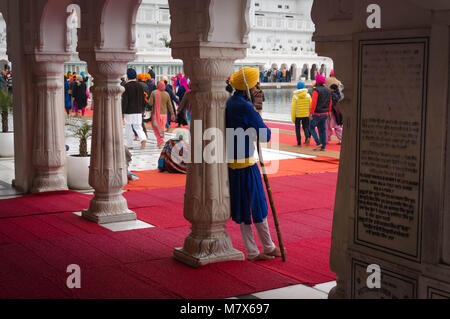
x,y
266,181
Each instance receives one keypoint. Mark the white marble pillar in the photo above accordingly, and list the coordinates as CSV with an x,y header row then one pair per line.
x,y
49,153
208,50
108,168
207,199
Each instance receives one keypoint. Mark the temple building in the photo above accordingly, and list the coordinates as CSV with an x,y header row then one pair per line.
x,y
280,37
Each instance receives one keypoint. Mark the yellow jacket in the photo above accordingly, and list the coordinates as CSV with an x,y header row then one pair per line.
x,y
301,104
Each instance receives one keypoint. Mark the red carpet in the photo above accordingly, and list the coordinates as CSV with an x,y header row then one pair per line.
x,y
292,139
153,179
287,127
36,250
44,203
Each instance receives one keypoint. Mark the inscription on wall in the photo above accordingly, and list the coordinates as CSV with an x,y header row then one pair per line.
x,y
392,97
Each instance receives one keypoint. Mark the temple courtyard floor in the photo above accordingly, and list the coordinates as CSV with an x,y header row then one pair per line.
x,y
41,235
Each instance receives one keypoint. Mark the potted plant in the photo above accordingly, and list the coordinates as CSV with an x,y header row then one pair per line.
x,y
6,138
78,165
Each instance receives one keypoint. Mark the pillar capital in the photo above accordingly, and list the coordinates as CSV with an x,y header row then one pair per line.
x,y
104,64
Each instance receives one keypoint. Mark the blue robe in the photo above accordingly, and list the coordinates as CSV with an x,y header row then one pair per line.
x,y
247,195
67,97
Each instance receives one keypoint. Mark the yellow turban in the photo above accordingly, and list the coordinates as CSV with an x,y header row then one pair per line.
x,y
251,76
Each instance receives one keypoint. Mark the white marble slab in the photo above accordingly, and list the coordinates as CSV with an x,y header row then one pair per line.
x,y
292,292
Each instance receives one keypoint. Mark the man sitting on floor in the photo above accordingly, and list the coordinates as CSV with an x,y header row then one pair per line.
x,y
173,154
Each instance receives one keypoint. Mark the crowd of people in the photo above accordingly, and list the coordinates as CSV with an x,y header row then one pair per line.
x,y
159,104
284,74
6,80
276,75
76,93
318,109
311,109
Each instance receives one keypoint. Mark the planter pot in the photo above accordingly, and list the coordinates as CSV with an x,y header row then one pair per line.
x,y
7,144
78,172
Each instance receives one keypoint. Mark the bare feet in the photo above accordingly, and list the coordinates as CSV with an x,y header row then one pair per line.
x,y
276,252
143,144
318,147
261,257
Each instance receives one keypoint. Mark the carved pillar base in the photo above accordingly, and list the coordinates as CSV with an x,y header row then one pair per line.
x,y
49,181
206,246
108,208
338,291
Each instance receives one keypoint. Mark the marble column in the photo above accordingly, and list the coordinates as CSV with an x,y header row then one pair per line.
x,y
49,153
207,199
108,167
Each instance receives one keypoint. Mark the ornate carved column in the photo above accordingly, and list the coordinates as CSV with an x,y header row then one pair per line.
x,y
108,169
207,199
208,50
49,153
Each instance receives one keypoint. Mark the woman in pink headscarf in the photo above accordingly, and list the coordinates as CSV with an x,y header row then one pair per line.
x,y
160,104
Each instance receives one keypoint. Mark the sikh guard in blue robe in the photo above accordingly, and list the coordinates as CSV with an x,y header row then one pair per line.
x,y
247,195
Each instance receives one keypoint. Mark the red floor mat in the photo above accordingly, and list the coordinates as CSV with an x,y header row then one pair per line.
x,y
44,203
288,127
164,217
153,179
305,262
292,140
36,250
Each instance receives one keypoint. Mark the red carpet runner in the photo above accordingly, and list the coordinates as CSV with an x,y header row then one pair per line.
x,y
36,250
291,139
44,203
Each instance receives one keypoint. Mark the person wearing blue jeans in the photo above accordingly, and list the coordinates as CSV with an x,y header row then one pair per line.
x,y
320,109
319,121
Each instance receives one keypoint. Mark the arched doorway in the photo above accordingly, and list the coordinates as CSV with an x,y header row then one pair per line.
x,y
313,72
293,73
323,70
305,72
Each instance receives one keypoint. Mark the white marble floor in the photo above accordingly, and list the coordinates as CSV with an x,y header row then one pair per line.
x,y
293,292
